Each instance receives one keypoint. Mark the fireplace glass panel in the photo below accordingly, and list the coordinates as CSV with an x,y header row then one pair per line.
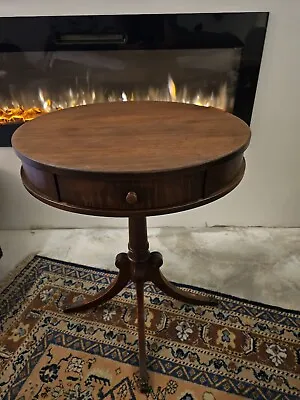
x,y
48,63
34,83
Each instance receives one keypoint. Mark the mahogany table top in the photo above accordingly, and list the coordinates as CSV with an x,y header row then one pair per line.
x,y
131,137
135,158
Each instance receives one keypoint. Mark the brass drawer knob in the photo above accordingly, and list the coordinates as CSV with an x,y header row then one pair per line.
x,y
131,198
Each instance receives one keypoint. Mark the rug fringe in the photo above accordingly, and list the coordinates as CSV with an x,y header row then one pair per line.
x,y
8,279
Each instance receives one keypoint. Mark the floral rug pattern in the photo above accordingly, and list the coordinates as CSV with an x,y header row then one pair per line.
x,y
236,350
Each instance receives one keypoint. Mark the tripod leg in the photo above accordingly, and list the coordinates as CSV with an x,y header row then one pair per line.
x,y
144,378
171,290
112,290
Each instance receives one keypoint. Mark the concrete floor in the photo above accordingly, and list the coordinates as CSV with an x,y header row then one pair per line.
x,y
254,263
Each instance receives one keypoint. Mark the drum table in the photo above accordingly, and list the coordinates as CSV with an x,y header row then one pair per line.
x,y
133,159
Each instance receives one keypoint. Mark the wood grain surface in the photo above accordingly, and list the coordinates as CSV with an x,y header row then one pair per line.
x,y
128,159
131,137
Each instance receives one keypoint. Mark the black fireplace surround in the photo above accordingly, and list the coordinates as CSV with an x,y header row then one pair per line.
x,y
54,62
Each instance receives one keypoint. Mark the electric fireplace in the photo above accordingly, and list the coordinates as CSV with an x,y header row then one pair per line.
x,y
51,63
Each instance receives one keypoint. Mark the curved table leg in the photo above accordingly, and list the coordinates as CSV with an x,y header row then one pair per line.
x,y
140,266
144,378
171,290
112,290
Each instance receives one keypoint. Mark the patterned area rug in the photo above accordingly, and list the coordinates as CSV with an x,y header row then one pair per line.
x,y
237,350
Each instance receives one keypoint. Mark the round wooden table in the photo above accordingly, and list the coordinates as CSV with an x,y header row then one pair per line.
x,y
133,160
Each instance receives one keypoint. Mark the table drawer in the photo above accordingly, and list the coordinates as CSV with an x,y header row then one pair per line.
x,y
123,195
144,193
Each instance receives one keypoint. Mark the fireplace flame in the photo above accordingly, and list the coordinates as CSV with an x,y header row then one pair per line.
x,y
171,88
17,113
